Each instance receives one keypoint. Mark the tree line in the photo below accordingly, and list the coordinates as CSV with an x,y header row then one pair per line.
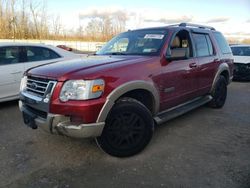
x,y
29,19
23,19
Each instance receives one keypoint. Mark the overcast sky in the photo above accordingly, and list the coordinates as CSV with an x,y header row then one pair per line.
x,y
232,17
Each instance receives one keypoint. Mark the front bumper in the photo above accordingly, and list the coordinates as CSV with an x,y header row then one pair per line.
x,y
241,71
59,124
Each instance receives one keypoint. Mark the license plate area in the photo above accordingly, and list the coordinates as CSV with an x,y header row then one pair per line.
x,y
29,120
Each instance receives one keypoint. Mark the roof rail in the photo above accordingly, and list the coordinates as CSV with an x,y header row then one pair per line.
x,y
196,25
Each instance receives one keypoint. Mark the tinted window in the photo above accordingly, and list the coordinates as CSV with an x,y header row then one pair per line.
x,y
40,54
210,46
203,45
9,55
221,41
241,51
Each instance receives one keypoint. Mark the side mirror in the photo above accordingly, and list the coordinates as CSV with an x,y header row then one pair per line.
x,y
177,54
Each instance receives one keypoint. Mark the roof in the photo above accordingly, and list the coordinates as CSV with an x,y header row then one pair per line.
x,y
22,44
60,51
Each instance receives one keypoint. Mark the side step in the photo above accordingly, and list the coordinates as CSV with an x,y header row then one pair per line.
x,y
181,109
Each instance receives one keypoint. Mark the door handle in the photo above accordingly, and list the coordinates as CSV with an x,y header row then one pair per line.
x,y
193,65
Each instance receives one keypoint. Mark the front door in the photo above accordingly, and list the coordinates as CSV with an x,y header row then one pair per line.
x,y
179,81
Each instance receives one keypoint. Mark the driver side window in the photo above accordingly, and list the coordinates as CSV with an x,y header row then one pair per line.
x,y
181,46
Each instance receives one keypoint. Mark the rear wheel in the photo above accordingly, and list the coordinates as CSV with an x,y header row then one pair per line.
x,y
129,128
219,93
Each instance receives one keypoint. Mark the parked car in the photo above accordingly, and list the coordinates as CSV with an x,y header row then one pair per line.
x,y
241,55
15,58
138,79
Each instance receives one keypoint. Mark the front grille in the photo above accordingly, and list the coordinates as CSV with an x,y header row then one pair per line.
x,y
242,68
39,86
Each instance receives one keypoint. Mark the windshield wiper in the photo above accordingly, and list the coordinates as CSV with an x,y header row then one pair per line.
x,y
115,53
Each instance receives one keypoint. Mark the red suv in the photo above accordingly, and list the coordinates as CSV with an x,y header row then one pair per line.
x,y
137,80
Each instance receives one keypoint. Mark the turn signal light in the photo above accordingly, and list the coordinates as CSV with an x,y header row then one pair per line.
x,y
97,88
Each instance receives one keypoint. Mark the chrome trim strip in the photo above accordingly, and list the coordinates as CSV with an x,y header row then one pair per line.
x,y
42,92
29,84
28,95
37,81
169,90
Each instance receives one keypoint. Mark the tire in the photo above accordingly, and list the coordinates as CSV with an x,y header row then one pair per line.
x,y
219,93
129,128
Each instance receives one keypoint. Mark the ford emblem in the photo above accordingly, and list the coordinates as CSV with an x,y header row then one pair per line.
x,y
34,85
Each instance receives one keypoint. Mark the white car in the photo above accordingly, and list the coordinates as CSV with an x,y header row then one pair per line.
x,y
241,62
15,58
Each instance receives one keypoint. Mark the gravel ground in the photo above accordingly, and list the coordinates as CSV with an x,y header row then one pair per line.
x,y
203,148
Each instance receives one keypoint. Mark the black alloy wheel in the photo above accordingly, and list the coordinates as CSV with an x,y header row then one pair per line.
x,y
219,93
129,128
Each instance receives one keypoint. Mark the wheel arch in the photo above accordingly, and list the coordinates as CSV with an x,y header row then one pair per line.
x,y
125,90
224,70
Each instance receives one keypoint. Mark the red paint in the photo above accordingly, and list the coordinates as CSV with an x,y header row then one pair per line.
x,y
188,78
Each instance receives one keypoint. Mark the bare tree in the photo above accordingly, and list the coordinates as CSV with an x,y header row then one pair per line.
x,y
104,25
23,26
23,19
56,25
34,12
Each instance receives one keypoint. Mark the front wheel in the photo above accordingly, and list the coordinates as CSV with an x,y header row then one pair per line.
x,y
219,93
129,128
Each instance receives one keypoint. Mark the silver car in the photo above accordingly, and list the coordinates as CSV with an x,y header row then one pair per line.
x,y
15,58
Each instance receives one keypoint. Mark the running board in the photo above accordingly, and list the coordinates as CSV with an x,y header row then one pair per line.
x,y
181,109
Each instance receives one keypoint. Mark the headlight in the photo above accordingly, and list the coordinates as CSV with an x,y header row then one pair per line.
x,y
81,89
23,83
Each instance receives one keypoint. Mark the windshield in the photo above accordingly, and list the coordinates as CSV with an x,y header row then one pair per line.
x,y
241,51
143,42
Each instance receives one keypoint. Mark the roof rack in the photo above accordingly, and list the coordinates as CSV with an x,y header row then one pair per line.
x,y
194,25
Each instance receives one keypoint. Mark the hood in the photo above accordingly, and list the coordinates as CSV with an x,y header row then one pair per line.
x,y
62,70
242,59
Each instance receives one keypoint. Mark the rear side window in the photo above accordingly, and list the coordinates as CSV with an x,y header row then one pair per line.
x,y
203,45
9,55
221,41
40,54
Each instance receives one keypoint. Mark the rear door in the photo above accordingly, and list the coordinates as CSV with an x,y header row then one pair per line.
x,y
39,55
11,71
208,61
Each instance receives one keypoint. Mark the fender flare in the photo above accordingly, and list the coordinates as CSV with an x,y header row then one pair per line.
x,y
124,88
221,68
